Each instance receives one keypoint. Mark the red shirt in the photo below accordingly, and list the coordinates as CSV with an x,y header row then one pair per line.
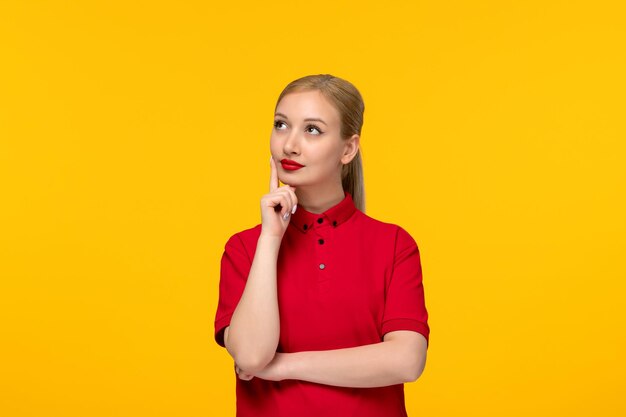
x,y
344,279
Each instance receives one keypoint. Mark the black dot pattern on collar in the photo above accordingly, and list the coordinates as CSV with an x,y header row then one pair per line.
x,y
305,220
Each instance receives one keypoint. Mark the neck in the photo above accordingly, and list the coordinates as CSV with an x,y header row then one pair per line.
x,y
318,200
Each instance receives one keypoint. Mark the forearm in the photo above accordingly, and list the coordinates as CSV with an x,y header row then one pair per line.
x,y
374,365
255,325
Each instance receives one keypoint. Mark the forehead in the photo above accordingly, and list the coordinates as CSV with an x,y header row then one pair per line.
x,y
305,104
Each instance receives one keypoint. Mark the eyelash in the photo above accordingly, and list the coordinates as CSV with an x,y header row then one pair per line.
x,y
277,122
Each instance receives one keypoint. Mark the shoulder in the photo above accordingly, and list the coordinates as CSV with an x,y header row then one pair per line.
x,y
244,240
392,233
382,226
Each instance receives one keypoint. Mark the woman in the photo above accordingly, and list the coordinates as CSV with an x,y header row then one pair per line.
x,y
321,306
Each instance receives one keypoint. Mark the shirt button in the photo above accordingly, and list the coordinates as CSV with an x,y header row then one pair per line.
x,y
322,266
320,220
321,241
305,226
335,223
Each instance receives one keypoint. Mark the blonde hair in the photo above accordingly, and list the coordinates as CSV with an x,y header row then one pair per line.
x,y
349,103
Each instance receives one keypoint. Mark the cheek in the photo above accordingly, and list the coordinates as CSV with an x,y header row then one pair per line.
x,y
333,156
275,145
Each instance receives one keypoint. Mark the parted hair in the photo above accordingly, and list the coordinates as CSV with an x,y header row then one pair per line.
x,y
349,103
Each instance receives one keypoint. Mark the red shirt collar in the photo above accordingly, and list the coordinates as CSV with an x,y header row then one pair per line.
x,y
305,220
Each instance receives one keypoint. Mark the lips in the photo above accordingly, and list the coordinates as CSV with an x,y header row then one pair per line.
x,y
290,165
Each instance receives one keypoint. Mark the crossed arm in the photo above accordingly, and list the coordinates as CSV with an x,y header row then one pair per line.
x,y
399,358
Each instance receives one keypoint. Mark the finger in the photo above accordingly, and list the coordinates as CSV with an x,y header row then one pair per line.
x,y
285,203
242,375
273,175
275,201
288,197
291,191
292,198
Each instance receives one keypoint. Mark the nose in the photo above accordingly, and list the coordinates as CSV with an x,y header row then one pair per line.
x,y
291,145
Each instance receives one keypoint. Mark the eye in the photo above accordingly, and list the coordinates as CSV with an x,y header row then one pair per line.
x,y
316,128
278,123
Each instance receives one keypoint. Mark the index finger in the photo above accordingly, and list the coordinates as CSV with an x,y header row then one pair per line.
x,y
273,175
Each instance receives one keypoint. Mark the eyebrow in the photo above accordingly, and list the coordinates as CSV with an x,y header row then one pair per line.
x,y
310,119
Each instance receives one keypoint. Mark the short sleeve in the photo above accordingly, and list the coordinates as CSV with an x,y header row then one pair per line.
x,y
405,307
234,270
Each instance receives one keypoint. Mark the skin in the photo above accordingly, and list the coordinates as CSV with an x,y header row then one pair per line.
x,y
317,145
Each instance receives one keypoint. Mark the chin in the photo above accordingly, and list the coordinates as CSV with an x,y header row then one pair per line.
x,y
290,181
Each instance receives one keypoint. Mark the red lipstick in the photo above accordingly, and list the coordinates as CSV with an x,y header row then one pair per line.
x,y
290,165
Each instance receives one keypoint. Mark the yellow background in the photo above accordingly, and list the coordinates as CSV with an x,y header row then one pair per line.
x,y
494,133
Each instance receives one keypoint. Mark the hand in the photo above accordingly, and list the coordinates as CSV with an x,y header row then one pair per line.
x,y
277,369
242,375
277,206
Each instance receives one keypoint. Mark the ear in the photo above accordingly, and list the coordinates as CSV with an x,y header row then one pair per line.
x,y
351,148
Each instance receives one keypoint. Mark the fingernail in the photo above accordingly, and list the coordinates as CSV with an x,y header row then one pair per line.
x,y
286,215
293,210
